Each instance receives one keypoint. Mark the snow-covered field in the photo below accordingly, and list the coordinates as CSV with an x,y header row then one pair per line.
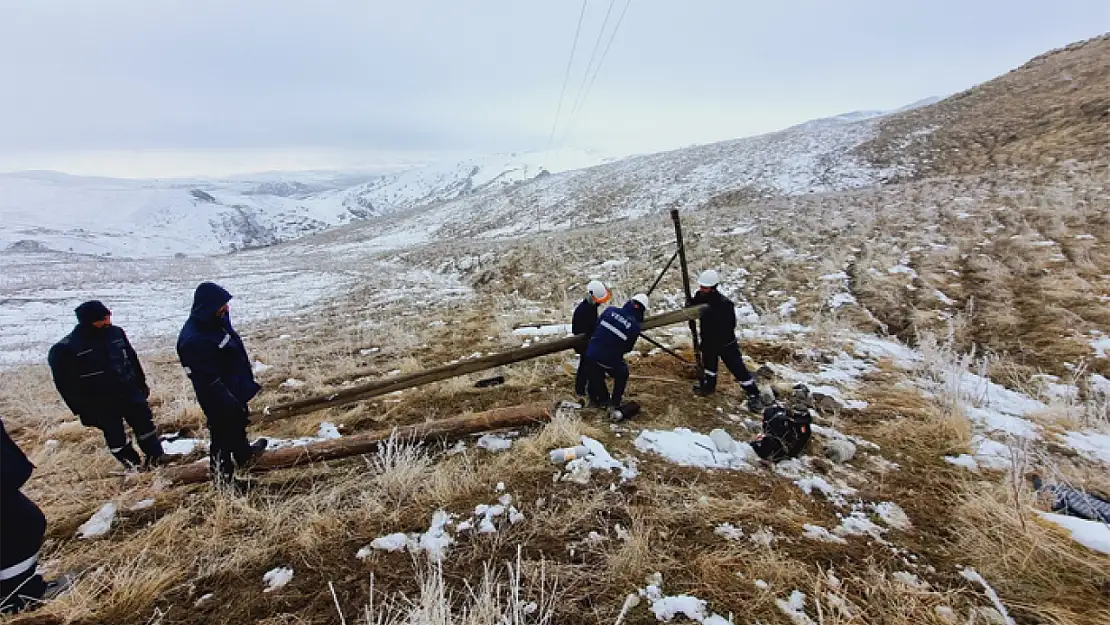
x,y
157,218
151,298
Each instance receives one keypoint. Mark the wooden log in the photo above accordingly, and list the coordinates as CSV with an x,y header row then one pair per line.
x,y
445,429
464,367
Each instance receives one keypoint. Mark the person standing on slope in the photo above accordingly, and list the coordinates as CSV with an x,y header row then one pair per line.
x,y
585,322
216,362
617,332
99,377
718,341
22,527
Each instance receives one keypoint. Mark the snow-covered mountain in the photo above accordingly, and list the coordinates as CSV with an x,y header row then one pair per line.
x,y
498,195
815,156
50,211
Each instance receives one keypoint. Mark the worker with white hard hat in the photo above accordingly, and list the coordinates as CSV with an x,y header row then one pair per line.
x,y
584,322
718,340
617,331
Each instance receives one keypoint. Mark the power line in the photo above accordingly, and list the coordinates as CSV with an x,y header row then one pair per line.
x,y
593,55
579,105
566,77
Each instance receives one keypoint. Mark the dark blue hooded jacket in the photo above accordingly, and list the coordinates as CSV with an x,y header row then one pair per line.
x,y
214,357
96,369
616,334
15,468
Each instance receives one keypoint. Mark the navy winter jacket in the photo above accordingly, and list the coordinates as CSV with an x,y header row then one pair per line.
x,y
584,320
214,357
15,468
616,334
96,369
718,321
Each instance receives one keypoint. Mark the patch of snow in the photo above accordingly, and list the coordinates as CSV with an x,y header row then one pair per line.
x,y
991,454
892,514
1091,534
816,532
183,446
841,299
972,575
494,443
99,523
328,431
435,541
260,367
858,524
599,458
1089,444
550,330
142,504
834,494
789,307
692,449
966,461
762,585
832,277
292,383
1085,237
944,299
277,578
996,421
1101,345
666,608
728,531
795,608
910,580
763,537
875,347
390,542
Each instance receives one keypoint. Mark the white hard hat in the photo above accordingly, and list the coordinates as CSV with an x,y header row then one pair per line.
x,y
709,278
642,299
597,290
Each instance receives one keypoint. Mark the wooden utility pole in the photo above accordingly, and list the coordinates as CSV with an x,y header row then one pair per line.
x,y
686,283
445,429
465,367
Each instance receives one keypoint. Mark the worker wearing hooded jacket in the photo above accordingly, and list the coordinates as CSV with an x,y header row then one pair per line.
x,y
617,331
98,374
22,527
585,322
718,336
216,362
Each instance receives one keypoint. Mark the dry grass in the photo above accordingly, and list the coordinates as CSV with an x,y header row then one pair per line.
x,y
957,265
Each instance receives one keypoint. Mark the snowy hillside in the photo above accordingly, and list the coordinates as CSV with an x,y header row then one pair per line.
x,y
812,157
437,183
43,211
135,218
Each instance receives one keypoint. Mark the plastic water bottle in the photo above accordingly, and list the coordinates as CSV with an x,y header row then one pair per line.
x,y
566,454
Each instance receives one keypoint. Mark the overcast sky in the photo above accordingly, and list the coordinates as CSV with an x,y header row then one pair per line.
x,y
140,87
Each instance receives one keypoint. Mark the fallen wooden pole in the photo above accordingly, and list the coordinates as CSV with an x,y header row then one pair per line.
x,y
444,429
464,367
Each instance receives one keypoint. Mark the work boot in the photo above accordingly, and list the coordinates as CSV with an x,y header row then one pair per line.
x,y
152,449
256,449
128,457
701,391
755,404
